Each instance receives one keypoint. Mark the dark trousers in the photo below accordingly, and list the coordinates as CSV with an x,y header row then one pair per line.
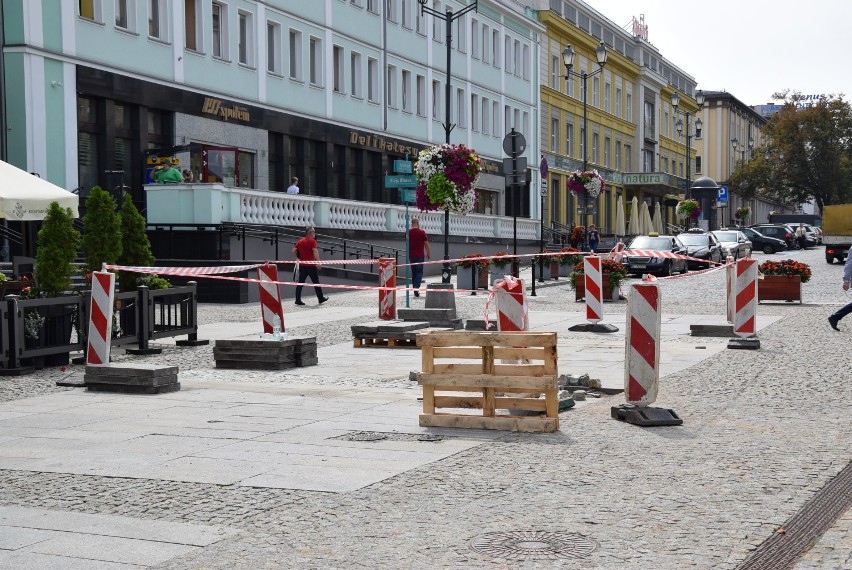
x,y
306,271
842,312
416,271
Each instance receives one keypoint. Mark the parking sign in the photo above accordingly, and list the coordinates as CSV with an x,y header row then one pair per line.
x,y
723,194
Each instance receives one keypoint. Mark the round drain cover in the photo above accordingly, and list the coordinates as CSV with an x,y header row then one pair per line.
x,y
533,545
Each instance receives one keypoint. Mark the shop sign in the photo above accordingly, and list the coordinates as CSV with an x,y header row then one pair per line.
x,y
660,178
214,107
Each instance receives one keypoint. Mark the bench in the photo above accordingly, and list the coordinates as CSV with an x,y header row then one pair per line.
x,y
456,363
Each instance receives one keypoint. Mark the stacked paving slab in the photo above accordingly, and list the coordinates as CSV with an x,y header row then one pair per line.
x,y
392,334
263,354
132,378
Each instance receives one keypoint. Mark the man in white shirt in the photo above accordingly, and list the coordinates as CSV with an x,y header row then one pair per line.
x,y
293,188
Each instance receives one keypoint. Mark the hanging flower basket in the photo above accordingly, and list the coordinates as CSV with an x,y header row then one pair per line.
x,y
688,209
588,181
447,175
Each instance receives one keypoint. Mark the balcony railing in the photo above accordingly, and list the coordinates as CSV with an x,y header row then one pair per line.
x,y
193,204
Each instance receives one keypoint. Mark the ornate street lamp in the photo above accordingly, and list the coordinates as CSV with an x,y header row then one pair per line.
x,y
568,60
449,17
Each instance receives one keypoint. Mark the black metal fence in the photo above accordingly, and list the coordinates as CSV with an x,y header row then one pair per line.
x,y
42,332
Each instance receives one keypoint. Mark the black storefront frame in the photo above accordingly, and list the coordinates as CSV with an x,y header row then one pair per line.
x,y
145,95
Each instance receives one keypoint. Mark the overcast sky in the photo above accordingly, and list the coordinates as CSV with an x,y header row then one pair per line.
x,y
749,48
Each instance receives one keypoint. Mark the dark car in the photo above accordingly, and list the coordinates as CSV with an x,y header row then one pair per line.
x,y
702,246
778,231
641,264
762,242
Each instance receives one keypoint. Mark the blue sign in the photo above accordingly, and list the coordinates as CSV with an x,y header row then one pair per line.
x,y
723,194
408,195
403,166
401,181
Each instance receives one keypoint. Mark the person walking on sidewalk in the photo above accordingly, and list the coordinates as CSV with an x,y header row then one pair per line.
x,y
306,250
594,237
847,281
419,250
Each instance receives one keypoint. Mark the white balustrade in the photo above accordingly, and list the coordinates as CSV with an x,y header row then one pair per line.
x,y
215,203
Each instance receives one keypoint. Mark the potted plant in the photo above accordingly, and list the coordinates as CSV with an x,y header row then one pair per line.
x,y
588,181
501,264
742,214
688,210
136,248
782,280
102,237
58,243
566,259
447,176
468,268
614,274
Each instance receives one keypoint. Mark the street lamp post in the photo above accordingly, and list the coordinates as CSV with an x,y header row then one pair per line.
x,y
568,60
741,148
699,98
449,17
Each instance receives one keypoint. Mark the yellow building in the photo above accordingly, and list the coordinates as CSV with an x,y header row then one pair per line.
x,y
632,141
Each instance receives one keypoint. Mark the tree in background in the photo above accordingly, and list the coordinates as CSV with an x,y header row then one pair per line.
x,y
809,154
136,248
58,242
102,236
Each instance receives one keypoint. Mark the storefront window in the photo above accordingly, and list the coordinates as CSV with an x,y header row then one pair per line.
x,y
88,159
486,202
221,166
246,168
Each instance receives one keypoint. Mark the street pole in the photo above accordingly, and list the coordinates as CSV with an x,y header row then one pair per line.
x,y
449,17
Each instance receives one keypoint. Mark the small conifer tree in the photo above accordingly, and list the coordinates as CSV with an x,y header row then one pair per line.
x,y
102,237
58,242
136,248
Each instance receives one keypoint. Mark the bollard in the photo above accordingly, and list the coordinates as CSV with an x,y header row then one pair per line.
x,y
745,305
387,298
270,297
100,318
730,270
512,309
594,288
642,361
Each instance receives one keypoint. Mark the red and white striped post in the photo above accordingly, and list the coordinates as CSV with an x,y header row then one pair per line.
x,y
617,252
100,318
270,297
512,309
730,273
745,289
593,278
387,298
642,351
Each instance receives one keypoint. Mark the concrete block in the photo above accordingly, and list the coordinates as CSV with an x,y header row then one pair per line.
x,y
139,370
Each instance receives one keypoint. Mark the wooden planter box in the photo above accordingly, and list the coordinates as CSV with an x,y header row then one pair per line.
x,y
580,288
779,288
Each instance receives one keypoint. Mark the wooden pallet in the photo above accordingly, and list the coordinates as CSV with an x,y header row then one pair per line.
x,y
456,363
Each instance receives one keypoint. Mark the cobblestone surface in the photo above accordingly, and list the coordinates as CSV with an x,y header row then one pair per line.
x,y
763,432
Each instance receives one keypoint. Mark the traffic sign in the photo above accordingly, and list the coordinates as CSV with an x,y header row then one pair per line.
x,y
723,194
517,164
514,143
401,181
403,166
516,179
544,188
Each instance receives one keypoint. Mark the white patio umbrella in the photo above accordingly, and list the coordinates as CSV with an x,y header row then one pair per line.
x,y
658,218
620,226
647,224
25,197
634,216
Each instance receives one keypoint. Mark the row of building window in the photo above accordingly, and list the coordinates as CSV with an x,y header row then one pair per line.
x,y
609,105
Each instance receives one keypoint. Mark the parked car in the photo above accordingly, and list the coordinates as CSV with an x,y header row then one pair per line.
x,y
762,242
778,231
818,231
734,243
641,264
703,246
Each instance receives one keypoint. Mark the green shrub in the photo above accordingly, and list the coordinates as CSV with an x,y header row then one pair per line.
x,y
136,248
58,242
102,238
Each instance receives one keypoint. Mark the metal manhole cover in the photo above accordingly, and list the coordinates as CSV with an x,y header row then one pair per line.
x,y
533,545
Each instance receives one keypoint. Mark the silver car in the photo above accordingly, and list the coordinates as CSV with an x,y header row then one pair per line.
x,y
734,243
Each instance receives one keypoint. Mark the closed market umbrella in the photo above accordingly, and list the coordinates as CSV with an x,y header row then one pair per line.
x,y
658,218
647,224
620,226
634,216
